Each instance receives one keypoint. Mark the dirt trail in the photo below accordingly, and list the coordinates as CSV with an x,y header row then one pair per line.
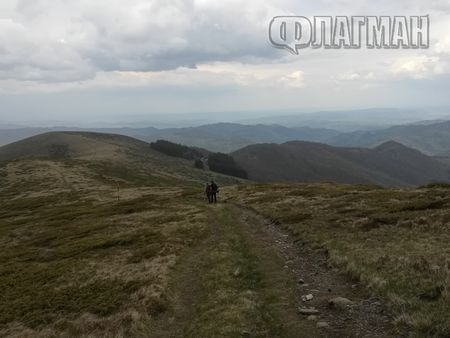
x,y
366,316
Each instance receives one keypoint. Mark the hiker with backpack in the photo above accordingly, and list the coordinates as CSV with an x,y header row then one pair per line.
x,y
208,192
214,191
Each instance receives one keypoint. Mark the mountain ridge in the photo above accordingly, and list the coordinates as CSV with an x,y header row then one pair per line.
x,y
390,164
430,138
220,137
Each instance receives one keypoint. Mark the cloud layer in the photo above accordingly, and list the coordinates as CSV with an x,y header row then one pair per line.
x,y
61,40
174,46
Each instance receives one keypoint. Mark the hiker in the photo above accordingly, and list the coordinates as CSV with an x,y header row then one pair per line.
x,y
214,191
208,192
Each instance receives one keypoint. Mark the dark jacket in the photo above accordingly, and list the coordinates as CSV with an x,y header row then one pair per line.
x,y
214,188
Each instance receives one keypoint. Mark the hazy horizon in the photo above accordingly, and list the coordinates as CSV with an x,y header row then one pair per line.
x,y
370,116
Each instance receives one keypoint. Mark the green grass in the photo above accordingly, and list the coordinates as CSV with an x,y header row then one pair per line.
x,y
159,262
29,296
65,257
76,260
232,285
395,241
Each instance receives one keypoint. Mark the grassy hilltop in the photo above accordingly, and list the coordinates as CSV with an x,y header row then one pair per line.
x,y
101,236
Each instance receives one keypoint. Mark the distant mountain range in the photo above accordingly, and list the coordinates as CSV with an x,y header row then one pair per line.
x,y
390,164
356,119
223,137
227,137
429,138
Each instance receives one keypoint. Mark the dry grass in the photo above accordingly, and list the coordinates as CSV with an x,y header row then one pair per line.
x,y
395,241
79,258
75,260
234,285
63,260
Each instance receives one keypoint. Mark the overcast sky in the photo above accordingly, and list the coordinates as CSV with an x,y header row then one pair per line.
x,y
85,59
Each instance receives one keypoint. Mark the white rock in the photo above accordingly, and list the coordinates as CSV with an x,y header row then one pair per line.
x,y
322,325
308,311
340,302
307,298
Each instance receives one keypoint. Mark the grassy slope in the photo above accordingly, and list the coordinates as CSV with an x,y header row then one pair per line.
x,y
124,245
395,241
158,263
108,159
77,261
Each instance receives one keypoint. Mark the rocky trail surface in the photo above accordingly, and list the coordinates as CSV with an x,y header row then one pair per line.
x,y
331,305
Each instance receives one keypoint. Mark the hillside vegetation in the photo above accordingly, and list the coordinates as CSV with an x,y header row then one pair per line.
x,y
101,236
108,156
177,150
225,164
390,164
107,238
393,241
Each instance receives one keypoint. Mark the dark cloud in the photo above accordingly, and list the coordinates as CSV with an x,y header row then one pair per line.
x,y
53,40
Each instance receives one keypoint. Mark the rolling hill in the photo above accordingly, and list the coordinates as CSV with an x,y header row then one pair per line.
x,y
222,137
131,159
11,135
429,138
390,164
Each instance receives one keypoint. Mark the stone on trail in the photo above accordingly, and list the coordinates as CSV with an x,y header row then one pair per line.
x,y
307,298
312,318
246,333
340,302
308,311
322,325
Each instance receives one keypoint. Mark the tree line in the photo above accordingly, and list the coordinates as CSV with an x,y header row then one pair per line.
x,y
217,162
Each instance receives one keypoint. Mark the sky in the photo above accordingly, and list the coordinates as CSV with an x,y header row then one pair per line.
x,y
117,60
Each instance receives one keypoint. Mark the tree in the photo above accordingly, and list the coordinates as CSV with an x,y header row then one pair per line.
x,y
175,150
225,164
